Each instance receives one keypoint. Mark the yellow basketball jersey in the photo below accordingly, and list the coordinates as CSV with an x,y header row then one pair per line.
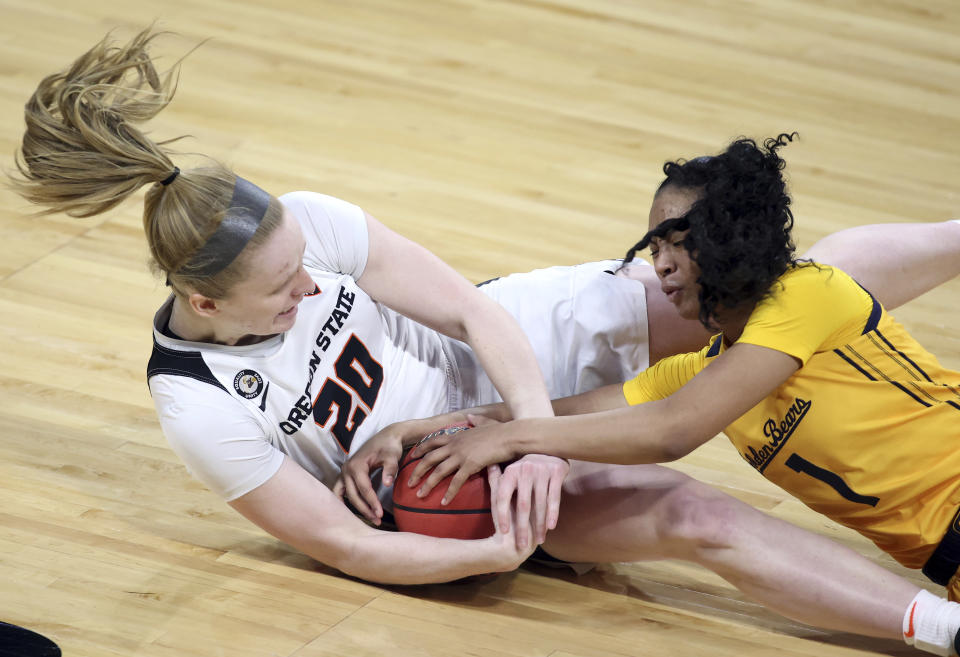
x,y
866,432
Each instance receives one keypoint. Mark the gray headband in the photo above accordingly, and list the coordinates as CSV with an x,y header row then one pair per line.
x,y
248,205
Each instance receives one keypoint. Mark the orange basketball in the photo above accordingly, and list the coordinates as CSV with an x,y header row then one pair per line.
x,y
466,516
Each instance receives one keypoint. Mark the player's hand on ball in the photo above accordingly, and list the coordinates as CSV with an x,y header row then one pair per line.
x,y
464,454
382,451
537,481
505,535
469,516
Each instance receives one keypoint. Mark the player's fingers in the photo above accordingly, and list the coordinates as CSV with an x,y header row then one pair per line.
x,y
524,494
356,477
425,464
504,497
541,486
358,502
390,466
338,487
436,441
459,479
554,492
438,474
493,477
364,488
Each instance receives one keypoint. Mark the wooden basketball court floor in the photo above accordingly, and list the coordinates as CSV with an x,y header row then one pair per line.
x,y
504,135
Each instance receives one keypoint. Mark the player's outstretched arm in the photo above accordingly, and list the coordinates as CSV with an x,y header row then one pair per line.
x,y
657,431
297,509
606,398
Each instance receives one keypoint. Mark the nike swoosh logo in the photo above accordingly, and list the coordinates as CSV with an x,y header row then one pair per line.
x,y
909,633
263,404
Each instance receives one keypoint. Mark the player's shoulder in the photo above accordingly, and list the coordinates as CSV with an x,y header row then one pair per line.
x,y
179,374
307,201
816,283
188,372
807,273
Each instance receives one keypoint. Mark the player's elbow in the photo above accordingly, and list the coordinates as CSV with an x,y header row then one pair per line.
x,y
653,432
673,447
678,438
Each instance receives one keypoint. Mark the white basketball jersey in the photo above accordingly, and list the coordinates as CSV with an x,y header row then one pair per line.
x,y
347,368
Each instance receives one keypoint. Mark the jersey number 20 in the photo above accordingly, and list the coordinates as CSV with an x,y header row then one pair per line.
x,y
356,371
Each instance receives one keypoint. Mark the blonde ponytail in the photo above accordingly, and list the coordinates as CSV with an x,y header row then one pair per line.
x,y
83,153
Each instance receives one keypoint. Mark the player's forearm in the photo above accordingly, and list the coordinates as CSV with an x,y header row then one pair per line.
x,y
412,431
606,398
297,509
499,412
404,558
602,399
624,435
359,550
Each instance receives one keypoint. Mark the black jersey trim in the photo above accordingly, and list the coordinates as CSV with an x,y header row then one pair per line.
x,y
904,356
180,363
857,367
875,312
801,465
898,357
715,347
874,320
873,378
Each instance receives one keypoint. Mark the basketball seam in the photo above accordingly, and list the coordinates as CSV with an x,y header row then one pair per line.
x,y
412,509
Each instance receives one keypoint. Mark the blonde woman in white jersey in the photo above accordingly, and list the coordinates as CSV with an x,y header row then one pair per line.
x,y
291,338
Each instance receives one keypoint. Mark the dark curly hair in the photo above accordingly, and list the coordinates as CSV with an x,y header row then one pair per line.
x,y
740,226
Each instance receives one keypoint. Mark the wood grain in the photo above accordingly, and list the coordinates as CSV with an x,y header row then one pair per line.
x,y
503,135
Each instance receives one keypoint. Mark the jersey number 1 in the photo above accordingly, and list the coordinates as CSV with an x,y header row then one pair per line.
x,y
356,371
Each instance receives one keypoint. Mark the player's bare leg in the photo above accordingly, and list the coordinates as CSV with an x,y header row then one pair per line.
x,y
895,262
639,513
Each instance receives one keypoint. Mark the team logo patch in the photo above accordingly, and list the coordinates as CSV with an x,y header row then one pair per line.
x,y
248,384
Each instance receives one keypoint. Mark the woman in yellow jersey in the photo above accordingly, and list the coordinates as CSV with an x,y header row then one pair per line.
x,y
816,385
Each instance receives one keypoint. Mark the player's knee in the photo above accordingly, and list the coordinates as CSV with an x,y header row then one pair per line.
x,y
695,517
